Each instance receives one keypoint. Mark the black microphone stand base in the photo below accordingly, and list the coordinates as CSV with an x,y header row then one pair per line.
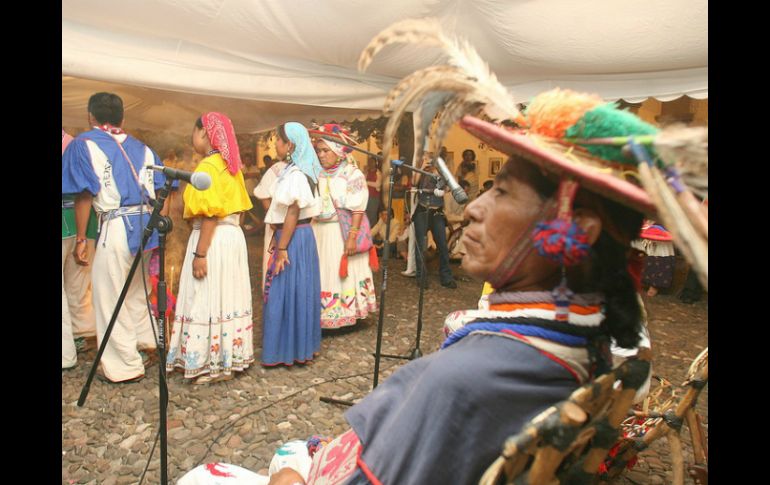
x,y
414,354
331,400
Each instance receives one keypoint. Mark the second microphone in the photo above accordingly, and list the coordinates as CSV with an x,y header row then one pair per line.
x,y
199,180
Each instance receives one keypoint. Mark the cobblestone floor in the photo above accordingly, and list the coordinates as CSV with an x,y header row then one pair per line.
x,y
244,420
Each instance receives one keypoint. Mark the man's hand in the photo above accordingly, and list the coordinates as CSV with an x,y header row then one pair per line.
x,y
81,252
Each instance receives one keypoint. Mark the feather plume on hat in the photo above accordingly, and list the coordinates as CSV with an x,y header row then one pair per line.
x,y
465,84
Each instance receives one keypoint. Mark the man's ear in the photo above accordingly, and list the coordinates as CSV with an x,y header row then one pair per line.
x,y
590,222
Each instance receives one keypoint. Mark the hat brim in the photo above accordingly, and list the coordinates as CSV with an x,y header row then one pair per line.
x,y
656,234
555,161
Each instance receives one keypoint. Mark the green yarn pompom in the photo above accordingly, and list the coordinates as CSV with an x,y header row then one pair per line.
x,y
608,121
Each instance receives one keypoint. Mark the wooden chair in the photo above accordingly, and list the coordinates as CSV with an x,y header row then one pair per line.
x,y
568,442
666,420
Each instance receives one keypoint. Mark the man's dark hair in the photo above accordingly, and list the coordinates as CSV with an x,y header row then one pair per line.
x,y
106,108
468,150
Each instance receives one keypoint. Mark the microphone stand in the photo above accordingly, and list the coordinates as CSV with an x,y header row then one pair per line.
x,y
416,353
163,225
386,253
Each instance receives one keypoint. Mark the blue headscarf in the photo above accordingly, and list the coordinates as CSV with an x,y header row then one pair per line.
x,y
303,156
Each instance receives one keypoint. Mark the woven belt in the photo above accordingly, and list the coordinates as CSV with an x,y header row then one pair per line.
x,y
123,212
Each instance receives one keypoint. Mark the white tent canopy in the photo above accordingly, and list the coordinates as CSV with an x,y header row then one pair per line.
x,y
264,62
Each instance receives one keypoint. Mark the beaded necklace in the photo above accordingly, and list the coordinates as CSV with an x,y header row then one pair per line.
x,y
112,130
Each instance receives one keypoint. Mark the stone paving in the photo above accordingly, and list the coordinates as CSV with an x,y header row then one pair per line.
x,y
243,421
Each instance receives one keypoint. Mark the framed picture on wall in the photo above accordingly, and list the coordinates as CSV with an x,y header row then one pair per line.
x,y
494,165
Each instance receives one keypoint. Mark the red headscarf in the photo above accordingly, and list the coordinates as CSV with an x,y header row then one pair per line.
x,y
221,134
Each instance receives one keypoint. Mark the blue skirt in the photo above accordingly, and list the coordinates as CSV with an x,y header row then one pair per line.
x,y
292,312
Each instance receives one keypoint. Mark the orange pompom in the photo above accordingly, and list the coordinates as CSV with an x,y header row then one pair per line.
x,y
551,113
374,262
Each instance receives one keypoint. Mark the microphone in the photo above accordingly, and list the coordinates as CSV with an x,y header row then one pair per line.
x,y
457,192
199,180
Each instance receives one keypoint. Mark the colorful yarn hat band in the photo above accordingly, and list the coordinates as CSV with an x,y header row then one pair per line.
x,y
336,131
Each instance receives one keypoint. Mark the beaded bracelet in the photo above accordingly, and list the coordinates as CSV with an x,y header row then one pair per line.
x,y
78,241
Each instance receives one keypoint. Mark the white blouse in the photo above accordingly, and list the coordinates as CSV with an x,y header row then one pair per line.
x,y
348,189
290,187
262,190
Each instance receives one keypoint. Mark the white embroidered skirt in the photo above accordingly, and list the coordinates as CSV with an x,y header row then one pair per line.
x,y
213,328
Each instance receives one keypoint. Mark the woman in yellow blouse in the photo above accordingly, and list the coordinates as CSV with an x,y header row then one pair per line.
x,y
213,329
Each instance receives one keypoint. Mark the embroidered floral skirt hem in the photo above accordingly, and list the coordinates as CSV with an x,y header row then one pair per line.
x,y
343,300
213,328
292,312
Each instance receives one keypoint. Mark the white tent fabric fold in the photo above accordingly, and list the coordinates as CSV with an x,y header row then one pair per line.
x,y
298,54
175,112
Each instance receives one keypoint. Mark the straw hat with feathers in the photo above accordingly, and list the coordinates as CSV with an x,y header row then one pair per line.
x,y
577,136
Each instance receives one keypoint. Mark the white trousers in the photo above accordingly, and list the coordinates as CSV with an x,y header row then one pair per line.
x,y
132,331
77,312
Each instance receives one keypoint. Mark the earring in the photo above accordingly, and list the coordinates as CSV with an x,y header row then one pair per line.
x,y
288,157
